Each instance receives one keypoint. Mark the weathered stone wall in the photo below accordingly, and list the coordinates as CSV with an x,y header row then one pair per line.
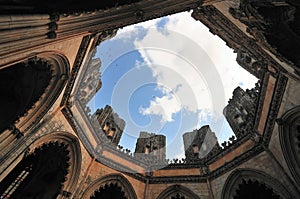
x,y
289,101
98,171
262,162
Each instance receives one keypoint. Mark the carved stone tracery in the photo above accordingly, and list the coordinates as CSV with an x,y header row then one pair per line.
x,y
91,83
109,191
247,61
241,109
177,192
289,135
238,182
50,68
110,182
48,170
274,27
22,85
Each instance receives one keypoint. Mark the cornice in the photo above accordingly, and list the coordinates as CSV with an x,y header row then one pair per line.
x,y
260,101
101,20
77,129
78,62
274,108
235,38
118,167
178,179
111,148
236,161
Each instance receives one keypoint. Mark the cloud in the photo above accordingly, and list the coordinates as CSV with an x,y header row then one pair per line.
x,y
139,64
191,57
195,73
221,55
164,106
169,58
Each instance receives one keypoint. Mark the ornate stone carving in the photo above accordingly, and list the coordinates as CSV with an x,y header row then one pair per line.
x,y
177,192
249,176
110,123
199,143
78,61
289,135
277,32
91,82
237,39
241,109
204,170
106,181
151,147
247,61
277,97
48,165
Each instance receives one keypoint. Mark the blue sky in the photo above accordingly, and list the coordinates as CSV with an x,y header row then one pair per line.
x,y
168,76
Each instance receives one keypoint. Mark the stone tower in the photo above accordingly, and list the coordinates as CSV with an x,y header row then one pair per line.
x,y
111,124
240,110
91,83
152,145
199,142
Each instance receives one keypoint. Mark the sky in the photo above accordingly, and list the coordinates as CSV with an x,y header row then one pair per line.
x,y
168,76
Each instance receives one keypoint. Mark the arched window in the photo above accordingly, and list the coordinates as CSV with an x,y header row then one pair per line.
x,y
253,189
28,89
114,186
52,165
246,183
39,175
21,85
177,192
289,135
109,191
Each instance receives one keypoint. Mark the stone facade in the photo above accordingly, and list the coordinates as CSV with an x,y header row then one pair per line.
x,y
51,142
91,83
149,144
111,124
198,143
240,111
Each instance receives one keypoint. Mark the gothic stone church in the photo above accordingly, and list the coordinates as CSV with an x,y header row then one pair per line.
x,y
52,147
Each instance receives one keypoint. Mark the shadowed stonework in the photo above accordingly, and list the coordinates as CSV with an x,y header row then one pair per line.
x,y
52,146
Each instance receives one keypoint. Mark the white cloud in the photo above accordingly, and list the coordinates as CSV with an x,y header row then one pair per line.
x,y
194,70
139,64
221,55
188,56
164,106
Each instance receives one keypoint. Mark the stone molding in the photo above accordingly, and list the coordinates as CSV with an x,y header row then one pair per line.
x,y
177,191
289,133
236,177
118,179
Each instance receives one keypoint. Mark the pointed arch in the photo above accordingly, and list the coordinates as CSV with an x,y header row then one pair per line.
x,y
241,177
177,191
289,136
112,179
32,86
60,68
50,168
75,157
46,75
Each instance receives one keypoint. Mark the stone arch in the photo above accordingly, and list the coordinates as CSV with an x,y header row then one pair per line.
x,y
241,178
31,88
112,179
50,169
177,192
289,136
75,158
